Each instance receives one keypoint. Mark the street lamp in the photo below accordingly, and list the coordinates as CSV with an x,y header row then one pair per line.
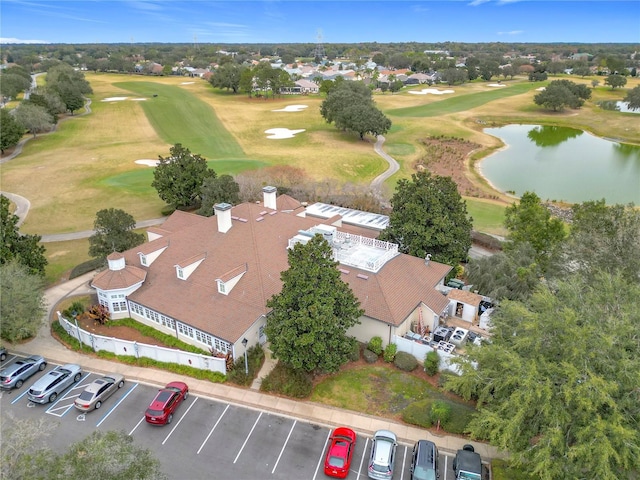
x,y
246,366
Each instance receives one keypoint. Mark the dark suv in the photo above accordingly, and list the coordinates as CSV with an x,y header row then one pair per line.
x,y
424,462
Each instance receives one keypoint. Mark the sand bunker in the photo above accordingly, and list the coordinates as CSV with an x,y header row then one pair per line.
x,y
187,83
147,162
278,133
291,108
432,91
497,85
541,89
120,99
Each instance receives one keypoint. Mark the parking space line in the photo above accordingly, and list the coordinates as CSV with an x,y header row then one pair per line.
x,y
54,408
446,466
284,446
404,463
104,417
364,454
195,399
322,454
20,396
247,439
137,425
214,427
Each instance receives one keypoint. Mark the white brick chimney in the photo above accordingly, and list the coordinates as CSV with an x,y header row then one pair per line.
x,y
223,212
269,194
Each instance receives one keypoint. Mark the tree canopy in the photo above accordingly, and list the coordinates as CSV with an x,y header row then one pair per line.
x,y
562,93
10,130
179,177
34,118
222,189
228,76
113,233
531,222
22,308
350,107
23,248
311,314
557,386
429,217
615,81
633,98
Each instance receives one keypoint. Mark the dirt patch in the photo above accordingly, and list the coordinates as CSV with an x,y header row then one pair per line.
x,y
446,157
117,331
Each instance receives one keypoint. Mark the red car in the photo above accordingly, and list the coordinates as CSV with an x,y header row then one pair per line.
x,y
160,412
340,452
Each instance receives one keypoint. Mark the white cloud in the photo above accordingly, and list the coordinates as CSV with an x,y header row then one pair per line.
x,y
512,32
18,40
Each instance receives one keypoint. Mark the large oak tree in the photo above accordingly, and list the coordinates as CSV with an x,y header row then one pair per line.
x,y
429,217
311,314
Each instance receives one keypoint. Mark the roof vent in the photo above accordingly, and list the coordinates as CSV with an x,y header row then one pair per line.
x,y
363,276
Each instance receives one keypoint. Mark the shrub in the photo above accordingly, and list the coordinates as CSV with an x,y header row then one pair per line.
x,y
77,308
167,210
86,267
405,362
418,413
440,412
255,360
390,352
375,345
369,356
431,363
356,349
287,381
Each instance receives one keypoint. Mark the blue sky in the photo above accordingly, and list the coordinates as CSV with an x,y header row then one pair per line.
x,y
300,21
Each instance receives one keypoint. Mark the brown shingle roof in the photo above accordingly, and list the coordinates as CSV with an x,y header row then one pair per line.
x,y
464,296
261,247
118,279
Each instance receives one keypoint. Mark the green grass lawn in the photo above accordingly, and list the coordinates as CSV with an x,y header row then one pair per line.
x,y
384,390
179,116
488,217
462,102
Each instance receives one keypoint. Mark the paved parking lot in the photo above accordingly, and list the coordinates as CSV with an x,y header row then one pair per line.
x,y
207,438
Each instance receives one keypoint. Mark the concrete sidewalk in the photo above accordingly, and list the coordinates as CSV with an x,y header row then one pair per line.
x,y
316,413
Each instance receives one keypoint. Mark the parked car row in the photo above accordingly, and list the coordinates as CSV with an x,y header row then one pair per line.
x,y
424,459
47,388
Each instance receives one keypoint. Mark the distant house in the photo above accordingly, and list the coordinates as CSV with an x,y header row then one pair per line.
x,y
302,86
207,280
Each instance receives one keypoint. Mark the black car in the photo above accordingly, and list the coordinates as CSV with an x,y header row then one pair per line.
x,y
424,461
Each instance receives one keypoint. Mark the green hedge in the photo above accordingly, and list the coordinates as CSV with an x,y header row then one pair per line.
x,y
405,362
285,380
86,267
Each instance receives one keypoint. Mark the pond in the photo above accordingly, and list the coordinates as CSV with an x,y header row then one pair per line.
x,y
618,106
563,164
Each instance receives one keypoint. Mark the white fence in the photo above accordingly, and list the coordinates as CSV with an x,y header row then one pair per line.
x,y
126,347
420,350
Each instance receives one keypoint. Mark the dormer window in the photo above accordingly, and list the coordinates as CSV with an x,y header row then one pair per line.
x,y
221,287
180,272
143,260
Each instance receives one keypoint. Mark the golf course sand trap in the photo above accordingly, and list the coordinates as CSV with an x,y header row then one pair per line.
x,y
497,85
278,133
187,83
432,91
147,162
120,99
541,89
291,108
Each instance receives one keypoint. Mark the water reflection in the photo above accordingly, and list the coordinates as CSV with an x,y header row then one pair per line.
x,y
617,106
563,164
549,136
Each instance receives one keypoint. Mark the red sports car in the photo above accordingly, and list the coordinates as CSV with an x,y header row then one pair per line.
x,y
340,452
160,412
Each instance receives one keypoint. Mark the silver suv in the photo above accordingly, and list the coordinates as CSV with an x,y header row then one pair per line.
x,y
15,374
47,388
383,454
